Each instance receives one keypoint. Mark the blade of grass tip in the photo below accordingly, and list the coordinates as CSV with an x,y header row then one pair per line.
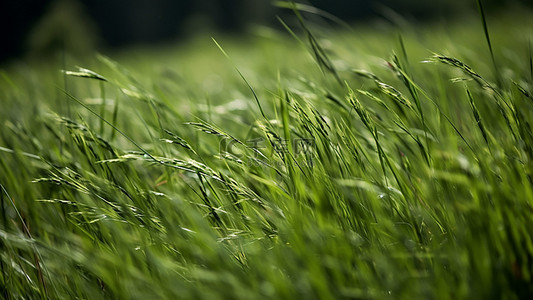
x,y
313,10
487,37
292,33
412,90
65,86
102,107
320,55
38,257
404,50
65,83
243,78
114,118
23,153
85,73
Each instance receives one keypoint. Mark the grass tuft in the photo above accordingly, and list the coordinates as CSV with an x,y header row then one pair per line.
x,y
170,176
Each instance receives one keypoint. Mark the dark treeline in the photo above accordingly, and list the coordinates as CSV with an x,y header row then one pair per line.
x,y
44,23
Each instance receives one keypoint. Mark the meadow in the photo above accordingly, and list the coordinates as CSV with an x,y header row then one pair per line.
x,y
387,161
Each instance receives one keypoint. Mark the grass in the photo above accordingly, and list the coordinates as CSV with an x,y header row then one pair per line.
x,y
374,163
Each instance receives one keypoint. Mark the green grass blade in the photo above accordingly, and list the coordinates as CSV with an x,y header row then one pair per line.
x,y
497,73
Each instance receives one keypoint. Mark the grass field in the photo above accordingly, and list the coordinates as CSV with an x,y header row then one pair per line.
x,y
385,162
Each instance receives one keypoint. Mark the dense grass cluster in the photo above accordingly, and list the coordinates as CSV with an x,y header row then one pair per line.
x,y
275,167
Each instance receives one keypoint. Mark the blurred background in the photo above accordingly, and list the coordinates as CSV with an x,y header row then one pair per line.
x,y
41,27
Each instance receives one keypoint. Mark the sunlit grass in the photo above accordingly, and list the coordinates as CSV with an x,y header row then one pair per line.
x,y
371,163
